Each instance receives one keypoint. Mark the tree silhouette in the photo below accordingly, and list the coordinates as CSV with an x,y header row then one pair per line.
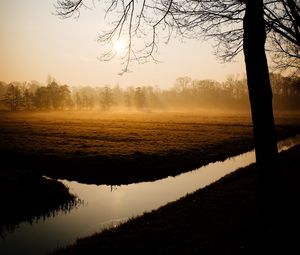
x,y
42,99
236,25
139,98
285,34
53,96
106,100
13,97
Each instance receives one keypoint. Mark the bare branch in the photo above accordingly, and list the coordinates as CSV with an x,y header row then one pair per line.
x,y
142,23
67,8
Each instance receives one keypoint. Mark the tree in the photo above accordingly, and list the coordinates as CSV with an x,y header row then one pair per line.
x,y
285,34
42,99
106,100
219,19
236,25
128,97
55,95
260,95
182,83
140,98
85,98
59,95
27,99
13,97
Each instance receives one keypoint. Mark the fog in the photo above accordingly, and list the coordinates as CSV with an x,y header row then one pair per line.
x,y
207,96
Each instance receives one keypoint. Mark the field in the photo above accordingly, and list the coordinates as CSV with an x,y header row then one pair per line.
x,y
115,148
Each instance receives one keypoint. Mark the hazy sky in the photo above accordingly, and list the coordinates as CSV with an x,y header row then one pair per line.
x,y
35,43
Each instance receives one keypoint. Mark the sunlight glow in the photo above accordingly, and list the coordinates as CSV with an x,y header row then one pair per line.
x,y
119,46
74,45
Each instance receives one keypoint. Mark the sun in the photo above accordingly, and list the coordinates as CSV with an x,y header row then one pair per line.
x,y
119,46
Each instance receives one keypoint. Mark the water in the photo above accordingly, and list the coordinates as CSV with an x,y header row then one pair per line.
x,y
107,206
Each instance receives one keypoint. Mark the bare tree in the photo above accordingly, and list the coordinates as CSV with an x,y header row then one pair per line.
x,y
285,55
140,98
283,22
13,97
106,100
151,20
234,25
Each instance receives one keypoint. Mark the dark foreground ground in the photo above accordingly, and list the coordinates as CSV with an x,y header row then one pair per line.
x,y
222,218
26,196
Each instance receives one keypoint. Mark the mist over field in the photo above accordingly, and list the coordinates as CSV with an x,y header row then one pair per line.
x,y
186,95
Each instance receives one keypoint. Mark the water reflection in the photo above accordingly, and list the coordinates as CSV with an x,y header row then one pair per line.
x,y
288,143
61,209
107,206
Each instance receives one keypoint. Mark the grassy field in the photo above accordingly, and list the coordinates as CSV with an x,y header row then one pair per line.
x,y
116,134
116,148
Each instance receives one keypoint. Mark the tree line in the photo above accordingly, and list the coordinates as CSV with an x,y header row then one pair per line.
x,y
186,93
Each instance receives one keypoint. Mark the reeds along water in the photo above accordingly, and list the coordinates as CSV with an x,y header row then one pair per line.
x,y
7,226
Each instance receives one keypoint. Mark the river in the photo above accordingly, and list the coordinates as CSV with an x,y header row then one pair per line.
x,y
107,206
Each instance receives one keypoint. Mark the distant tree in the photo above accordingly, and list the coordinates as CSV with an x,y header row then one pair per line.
x,y
88,102
106,100
78,101
13,97
85,98
64,97
128,96
127,100
42,99
50,79
54,95
286,92
152,95
117,95
28,99
59,95
139,98
235,86
3,88
182,83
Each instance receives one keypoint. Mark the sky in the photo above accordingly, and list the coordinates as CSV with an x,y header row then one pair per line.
x,y
36,43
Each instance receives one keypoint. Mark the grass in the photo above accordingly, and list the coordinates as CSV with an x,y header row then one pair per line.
x,y
222,218
29,197
124,148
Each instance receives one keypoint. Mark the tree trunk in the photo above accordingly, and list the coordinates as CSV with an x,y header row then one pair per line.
x,y
260,95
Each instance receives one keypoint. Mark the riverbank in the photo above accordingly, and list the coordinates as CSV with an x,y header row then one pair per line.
x,y
221,218
28,197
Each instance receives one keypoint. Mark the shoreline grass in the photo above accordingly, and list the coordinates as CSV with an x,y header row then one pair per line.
x,y
30,197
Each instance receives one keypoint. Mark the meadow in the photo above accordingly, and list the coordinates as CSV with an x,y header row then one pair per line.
x,y
117,148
